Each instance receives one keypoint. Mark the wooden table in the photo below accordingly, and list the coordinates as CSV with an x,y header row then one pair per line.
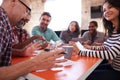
x,y
81,68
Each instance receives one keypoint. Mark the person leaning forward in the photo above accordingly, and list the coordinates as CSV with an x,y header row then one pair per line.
x,y
11,11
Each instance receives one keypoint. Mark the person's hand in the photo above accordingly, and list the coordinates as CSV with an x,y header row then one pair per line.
x,y
88,42
71,42
75,48
96,44
87,46
29,49
42,41
47,60
39,37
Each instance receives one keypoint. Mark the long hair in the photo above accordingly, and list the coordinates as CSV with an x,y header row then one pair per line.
x,y
108,25
77,31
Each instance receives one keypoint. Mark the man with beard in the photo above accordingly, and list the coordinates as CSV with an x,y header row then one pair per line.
x,y
22,43
93,37
43,29
11,12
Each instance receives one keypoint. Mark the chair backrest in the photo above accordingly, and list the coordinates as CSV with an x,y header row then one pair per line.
x,y
82,31
58,33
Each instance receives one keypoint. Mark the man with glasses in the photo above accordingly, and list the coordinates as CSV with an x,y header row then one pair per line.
x,y
22,43
11,12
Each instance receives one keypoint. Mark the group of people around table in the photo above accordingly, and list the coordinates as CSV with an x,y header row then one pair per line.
x,y
15,41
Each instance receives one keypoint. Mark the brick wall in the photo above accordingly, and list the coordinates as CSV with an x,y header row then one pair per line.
x,y
86,13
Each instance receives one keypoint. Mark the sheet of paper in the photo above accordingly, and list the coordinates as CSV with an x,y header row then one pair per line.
x,y
67,63
38,51
81,47
30,76
41,70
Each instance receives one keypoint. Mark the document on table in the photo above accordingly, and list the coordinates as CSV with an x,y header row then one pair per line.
x,y
30,76
81,47
67,63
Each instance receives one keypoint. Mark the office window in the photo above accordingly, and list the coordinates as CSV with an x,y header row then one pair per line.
x,y
63,12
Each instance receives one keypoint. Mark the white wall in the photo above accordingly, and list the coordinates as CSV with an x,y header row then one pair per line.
x,y
63,12
1,1
86,14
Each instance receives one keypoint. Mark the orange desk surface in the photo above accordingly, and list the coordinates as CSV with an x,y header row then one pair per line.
x,y
81,68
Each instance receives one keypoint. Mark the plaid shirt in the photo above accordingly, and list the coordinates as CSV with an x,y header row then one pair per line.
x,y
5,39
20,35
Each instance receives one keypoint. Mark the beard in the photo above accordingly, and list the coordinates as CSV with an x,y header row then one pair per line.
x,y
43,27
21,23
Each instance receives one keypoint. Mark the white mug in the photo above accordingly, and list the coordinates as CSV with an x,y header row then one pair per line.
x,y
68,50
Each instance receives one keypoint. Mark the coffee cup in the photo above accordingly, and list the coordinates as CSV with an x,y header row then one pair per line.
x,y
68,50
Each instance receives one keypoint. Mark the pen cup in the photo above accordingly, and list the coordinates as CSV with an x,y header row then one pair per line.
x,y
68,50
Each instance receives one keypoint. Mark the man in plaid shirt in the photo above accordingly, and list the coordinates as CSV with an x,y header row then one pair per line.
x,y
11,12
5,39
22,43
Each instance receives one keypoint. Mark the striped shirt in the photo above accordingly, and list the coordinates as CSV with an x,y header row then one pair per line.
x,y
110,50
5,39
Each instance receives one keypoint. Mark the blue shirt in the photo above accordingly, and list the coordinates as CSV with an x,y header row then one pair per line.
x,y
48,34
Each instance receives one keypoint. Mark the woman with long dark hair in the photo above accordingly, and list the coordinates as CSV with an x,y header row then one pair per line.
x,y
73,31
111,48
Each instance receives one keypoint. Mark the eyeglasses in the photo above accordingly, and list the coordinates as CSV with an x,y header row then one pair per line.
x,y
26,7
